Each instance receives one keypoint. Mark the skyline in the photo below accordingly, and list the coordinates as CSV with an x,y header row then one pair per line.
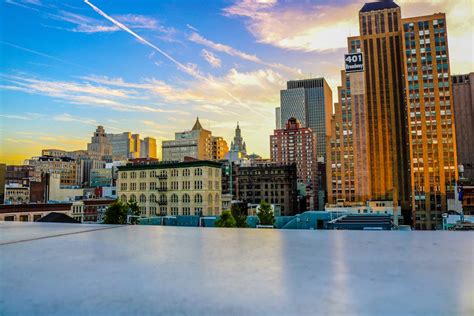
x,y
68,68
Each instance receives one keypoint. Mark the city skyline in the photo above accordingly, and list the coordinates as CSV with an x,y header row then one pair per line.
x,y
68,68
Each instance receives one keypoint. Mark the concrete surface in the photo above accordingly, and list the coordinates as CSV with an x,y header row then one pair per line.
x,y
45,270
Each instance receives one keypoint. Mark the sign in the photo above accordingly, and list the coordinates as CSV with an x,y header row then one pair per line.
x,y
354,62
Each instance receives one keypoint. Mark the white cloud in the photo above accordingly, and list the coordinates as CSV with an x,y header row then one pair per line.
x,y
212,59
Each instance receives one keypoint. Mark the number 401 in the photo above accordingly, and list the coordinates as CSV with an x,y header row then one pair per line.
x,y
354,58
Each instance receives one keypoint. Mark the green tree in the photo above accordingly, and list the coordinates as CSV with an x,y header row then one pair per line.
x,y
133,210
265,214
116,213
226,220
239,212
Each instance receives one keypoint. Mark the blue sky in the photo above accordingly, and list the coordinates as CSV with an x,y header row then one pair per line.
x,y
65,67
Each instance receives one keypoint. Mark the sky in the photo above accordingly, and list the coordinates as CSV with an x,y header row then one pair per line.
x,y
152,67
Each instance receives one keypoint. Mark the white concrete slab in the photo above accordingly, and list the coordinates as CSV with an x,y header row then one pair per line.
x,y
192,271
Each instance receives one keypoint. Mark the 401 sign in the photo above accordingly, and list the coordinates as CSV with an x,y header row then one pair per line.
x,y
354,62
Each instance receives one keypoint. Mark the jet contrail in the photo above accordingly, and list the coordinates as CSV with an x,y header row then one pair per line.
x,y
181,66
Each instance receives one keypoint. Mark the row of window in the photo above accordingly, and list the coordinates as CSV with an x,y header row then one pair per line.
x,y
185,198
174,173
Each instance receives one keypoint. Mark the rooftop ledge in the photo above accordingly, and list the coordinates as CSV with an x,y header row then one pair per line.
x,y
49,268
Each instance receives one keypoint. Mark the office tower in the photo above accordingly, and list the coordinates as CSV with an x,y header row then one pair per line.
x,y
347,164
310,102
99,144
278,118
431,129
148,148
381,45
463,97
196,143
68,168
123,145
219,148
172,188
297,145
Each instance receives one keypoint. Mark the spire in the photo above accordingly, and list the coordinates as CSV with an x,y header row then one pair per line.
x,y
197,125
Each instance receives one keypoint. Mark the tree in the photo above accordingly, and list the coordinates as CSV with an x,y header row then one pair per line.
x,y
265,214
239,212
116,213
133,210
226,220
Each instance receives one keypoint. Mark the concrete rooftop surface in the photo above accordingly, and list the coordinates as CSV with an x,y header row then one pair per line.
x,y
70,269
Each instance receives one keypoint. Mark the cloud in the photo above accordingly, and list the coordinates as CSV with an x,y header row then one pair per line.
x,y
65,117
25,116
189,26
199,39
301,26
212,59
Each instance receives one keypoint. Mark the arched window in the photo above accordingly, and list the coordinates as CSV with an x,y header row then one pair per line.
x,y
153,198
186,198
174,198
209,198
163,197
217,198
133,198
123,198
142,198
198,198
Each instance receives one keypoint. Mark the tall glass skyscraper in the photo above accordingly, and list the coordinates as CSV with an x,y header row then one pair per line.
x,y
310,102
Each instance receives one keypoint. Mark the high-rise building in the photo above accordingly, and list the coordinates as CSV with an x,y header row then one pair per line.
x,y
347,164
99,144
68,168
219,148
431,129
381,45
278,118
196,143
148,148
463,97
172,188
238,148
297,145
124,145
310,102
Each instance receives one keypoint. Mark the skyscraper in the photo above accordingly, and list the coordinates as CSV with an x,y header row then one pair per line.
x,y
381,45
99,144
310,102
196,143
219,148
431,129
148,148
297,145
463,97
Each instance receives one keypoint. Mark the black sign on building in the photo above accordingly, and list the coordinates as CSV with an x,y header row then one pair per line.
x,y
354,62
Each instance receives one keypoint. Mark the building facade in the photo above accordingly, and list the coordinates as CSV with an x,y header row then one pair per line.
x,y
310,102
68,168
238,148
431,128
148,148
99,144
101,177
219,148
17,194
297,145
31,212
172,188
381,44
253,182
196,143
463,97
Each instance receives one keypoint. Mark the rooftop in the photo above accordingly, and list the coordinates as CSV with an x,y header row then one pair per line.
x,y
75,269
379,5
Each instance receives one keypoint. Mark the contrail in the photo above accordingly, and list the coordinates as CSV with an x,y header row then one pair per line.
x,y
181,66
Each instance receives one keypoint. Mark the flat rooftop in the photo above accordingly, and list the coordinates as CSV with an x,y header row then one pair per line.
x,y
70,269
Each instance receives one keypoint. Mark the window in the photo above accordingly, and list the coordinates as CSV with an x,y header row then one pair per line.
x,y
152,198
123,186
133,175
186,198
174,198
133,198
186,210
198,198
142,174
198,211
174,211
133,186
209,198
186,172
198,172
123,198
142,186
142,198
123,175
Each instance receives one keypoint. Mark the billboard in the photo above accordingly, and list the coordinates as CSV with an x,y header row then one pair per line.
x,y
354,62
